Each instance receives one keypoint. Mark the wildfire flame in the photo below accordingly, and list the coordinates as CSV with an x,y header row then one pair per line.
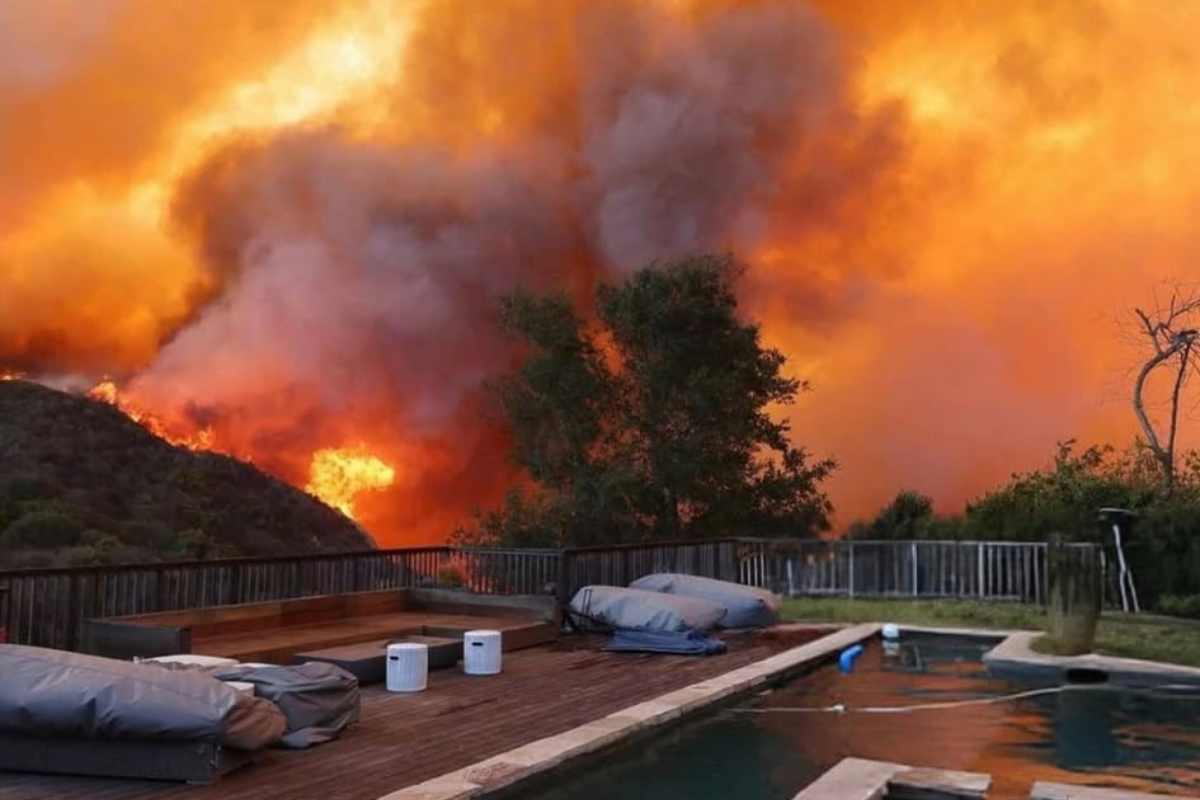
x,y
108,392
10,376
337,476
340,475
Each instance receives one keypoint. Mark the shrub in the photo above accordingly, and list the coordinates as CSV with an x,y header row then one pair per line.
x,y
42,530
1180,605
149,534
26,487
451,577
26,559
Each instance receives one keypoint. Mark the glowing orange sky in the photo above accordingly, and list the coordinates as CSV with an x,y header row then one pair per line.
x,y
945,256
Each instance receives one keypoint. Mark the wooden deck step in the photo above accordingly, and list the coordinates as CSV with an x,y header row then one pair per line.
x,y
367,661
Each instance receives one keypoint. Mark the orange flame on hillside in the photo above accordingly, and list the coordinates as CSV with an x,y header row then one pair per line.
x,y
107,392
338,476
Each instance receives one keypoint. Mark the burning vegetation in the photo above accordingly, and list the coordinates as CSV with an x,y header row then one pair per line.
x,y
81,483
107,392
295,238
338,476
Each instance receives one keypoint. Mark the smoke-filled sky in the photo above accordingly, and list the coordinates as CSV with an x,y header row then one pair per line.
x,y
289,222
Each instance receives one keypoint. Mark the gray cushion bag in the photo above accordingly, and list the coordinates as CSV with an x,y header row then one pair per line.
x,y
318,698
52,693
745,606
634,609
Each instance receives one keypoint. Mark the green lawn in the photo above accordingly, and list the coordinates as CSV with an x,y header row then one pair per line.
x,y
1151,637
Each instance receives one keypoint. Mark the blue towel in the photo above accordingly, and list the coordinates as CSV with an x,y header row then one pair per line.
x,y
679,642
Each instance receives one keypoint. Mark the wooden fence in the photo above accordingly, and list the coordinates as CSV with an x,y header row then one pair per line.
x,y
46,607
620,565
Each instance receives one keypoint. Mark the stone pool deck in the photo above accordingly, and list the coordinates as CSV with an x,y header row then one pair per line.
x,y
1061,791
863,779
1016,656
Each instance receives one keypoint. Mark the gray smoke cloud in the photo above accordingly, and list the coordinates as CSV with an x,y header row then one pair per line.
x,y
684,128
359,271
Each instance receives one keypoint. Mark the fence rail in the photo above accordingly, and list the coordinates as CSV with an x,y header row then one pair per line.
x,y
47,607
920,569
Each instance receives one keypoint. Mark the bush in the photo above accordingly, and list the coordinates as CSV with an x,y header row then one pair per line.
x,y
451,577
26,559
26,487
42,530
151,535
1180,605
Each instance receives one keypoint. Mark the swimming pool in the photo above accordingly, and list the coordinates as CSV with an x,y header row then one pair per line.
x,y
767,748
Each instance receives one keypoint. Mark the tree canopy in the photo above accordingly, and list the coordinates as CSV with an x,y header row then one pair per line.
x,y
653,420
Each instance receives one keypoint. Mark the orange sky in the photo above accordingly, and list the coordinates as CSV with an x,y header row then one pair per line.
x,y
288,221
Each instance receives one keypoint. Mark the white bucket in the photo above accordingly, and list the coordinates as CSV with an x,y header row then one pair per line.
x,y
407,667
481,652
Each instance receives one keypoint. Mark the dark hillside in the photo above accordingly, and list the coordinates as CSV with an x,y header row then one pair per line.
x,y
81,483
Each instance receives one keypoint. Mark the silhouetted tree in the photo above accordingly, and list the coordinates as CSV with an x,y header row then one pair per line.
x,y
652,422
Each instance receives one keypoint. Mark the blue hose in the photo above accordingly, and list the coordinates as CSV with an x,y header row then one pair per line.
x,y
847,658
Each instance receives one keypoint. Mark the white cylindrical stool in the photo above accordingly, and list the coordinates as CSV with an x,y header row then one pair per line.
x,y
407,667
481,652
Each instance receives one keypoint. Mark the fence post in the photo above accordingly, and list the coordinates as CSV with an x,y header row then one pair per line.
x,y
851,569
562,589
915,572
979,585
160,579
235,584
71,634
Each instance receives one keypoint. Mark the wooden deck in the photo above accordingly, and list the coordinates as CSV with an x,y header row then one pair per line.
x,y
406,739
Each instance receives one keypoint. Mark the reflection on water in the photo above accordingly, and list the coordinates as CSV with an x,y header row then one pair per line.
x,y
1097,736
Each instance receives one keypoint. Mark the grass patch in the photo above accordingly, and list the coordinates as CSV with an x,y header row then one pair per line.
x,y
956,613
1174,641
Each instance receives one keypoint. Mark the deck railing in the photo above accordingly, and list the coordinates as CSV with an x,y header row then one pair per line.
x,y
622,564
47,607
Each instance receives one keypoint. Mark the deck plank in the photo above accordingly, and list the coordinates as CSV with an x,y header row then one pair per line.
x,y
405,739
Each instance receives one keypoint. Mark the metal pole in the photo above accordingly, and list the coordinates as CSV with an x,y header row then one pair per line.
x,y
1125,574
1120,567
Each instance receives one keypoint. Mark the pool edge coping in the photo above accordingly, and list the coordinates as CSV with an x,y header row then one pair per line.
x,y
533,758
855,778
1016,653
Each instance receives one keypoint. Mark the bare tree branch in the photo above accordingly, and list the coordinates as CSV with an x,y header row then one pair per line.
x,y
1172,342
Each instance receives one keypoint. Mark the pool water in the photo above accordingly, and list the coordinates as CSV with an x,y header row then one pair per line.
x,y
1098,736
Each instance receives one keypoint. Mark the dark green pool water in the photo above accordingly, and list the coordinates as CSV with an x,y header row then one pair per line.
x,y
1100,736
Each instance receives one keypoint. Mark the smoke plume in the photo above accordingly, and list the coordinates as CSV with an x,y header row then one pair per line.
x,y
286,225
